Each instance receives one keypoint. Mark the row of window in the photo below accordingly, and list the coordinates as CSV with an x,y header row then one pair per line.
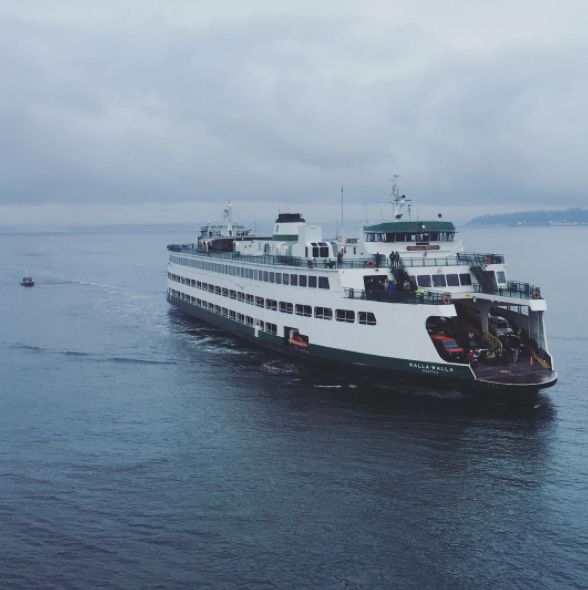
x,y
448,280
225,312
415,237
266,276
453,280
319,250
321,313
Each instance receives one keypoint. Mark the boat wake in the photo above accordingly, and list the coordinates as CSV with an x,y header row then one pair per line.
x,y
279,367
93,356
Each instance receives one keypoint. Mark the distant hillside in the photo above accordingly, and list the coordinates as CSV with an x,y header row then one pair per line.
x,y
575,216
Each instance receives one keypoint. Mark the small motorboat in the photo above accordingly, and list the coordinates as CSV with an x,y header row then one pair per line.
x,y
27,282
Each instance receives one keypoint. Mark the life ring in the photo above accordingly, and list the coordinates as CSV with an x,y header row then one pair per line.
x,y
370,264
447,299
536,295
487,260
310,263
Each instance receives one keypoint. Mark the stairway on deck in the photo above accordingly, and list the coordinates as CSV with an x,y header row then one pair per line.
x,y
486,279
400,274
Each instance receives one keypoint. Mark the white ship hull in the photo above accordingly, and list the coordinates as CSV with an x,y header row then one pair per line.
x,y
266,313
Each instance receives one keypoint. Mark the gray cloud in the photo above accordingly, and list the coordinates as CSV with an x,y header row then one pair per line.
x,y
265,107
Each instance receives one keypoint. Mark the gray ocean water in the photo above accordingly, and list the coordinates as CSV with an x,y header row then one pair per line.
x,y
142,449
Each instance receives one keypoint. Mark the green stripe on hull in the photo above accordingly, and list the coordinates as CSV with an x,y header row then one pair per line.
x,y
332,355
392,364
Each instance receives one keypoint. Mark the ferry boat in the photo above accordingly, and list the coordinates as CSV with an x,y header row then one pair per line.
x,y
403,298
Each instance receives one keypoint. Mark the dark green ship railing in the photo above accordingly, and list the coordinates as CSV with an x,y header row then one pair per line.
x,y
400,296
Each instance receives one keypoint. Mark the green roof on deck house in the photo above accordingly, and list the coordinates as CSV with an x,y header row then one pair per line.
x,y
410,227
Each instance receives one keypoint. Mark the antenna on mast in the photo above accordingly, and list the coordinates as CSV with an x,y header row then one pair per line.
x,y
342,216
394,180
399,202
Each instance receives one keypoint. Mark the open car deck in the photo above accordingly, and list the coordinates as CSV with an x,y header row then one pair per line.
x,y
519,374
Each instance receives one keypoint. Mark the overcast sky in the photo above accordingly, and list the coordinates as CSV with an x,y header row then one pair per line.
x,y
159,111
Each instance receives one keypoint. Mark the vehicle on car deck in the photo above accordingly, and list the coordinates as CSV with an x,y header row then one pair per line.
x,y
448,347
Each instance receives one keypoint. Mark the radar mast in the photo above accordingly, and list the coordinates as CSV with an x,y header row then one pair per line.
x,y
400,204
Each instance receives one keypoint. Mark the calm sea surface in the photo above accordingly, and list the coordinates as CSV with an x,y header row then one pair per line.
x,y
141,449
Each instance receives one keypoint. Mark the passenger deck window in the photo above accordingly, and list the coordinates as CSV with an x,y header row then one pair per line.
x,y
452,280
501,277
304,310
323,282
323,313
302,280
345,315
465,279
312,281
424,280
439,281
366,317
286,307
294,280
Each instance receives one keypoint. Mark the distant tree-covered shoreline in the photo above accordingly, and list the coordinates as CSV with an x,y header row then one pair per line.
x,y
572,216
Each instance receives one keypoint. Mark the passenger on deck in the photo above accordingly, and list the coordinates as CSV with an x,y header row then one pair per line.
x,y
471,341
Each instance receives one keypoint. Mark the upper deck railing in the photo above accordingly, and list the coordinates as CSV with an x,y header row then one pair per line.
x,y
400,296
513,289
477,259
461,258
281,260
375,260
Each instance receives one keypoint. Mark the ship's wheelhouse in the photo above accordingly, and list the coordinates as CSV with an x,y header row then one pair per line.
x,y
415,232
